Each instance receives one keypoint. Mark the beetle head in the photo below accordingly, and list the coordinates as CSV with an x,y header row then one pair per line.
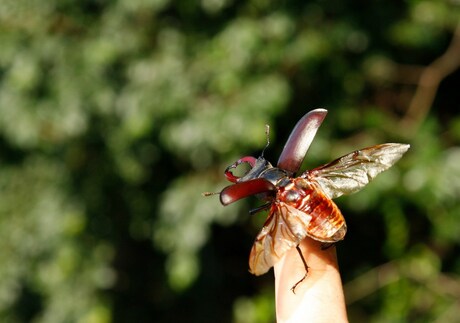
x,y
260,180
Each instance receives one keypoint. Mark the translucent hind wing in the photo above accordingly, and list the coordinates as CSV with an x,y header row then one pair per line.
x,y
283,230
350,173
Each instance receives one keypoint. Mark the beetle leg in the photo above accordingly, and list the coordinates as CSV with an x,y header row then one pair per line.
x,y
306,269
264,207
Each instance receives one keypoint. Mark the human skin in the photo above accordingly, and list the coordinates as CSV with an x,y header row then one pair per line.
x,y
318,298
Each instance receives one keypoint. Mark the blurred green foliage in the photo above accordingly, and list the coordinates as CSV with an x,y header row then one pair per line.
x,y
116,115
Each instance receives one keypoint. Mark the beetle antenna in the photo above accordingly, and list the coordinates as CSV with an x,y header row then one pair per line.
x,y
267,134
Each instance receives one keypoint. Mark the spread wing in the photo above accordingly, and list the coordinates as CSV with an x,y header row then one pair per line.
x,y
350,173
284,228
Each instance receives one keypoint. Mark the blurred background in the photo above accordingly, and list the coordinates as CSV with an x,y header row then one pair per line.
x,y
116,115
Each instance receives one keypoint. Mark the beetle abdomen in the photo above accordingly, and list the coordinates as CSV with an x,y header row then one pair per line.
x,y
327,223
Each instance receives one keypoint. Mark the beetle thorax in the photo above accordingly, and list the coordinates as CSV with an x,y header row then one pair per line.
x,y
296,192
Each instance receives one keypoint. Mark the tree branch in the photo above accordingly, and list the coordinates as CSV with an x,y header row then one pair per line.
x,y
428,84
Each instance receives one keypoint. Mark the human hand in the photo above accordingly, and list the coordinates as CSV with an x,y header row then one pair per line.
x,y
318,298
